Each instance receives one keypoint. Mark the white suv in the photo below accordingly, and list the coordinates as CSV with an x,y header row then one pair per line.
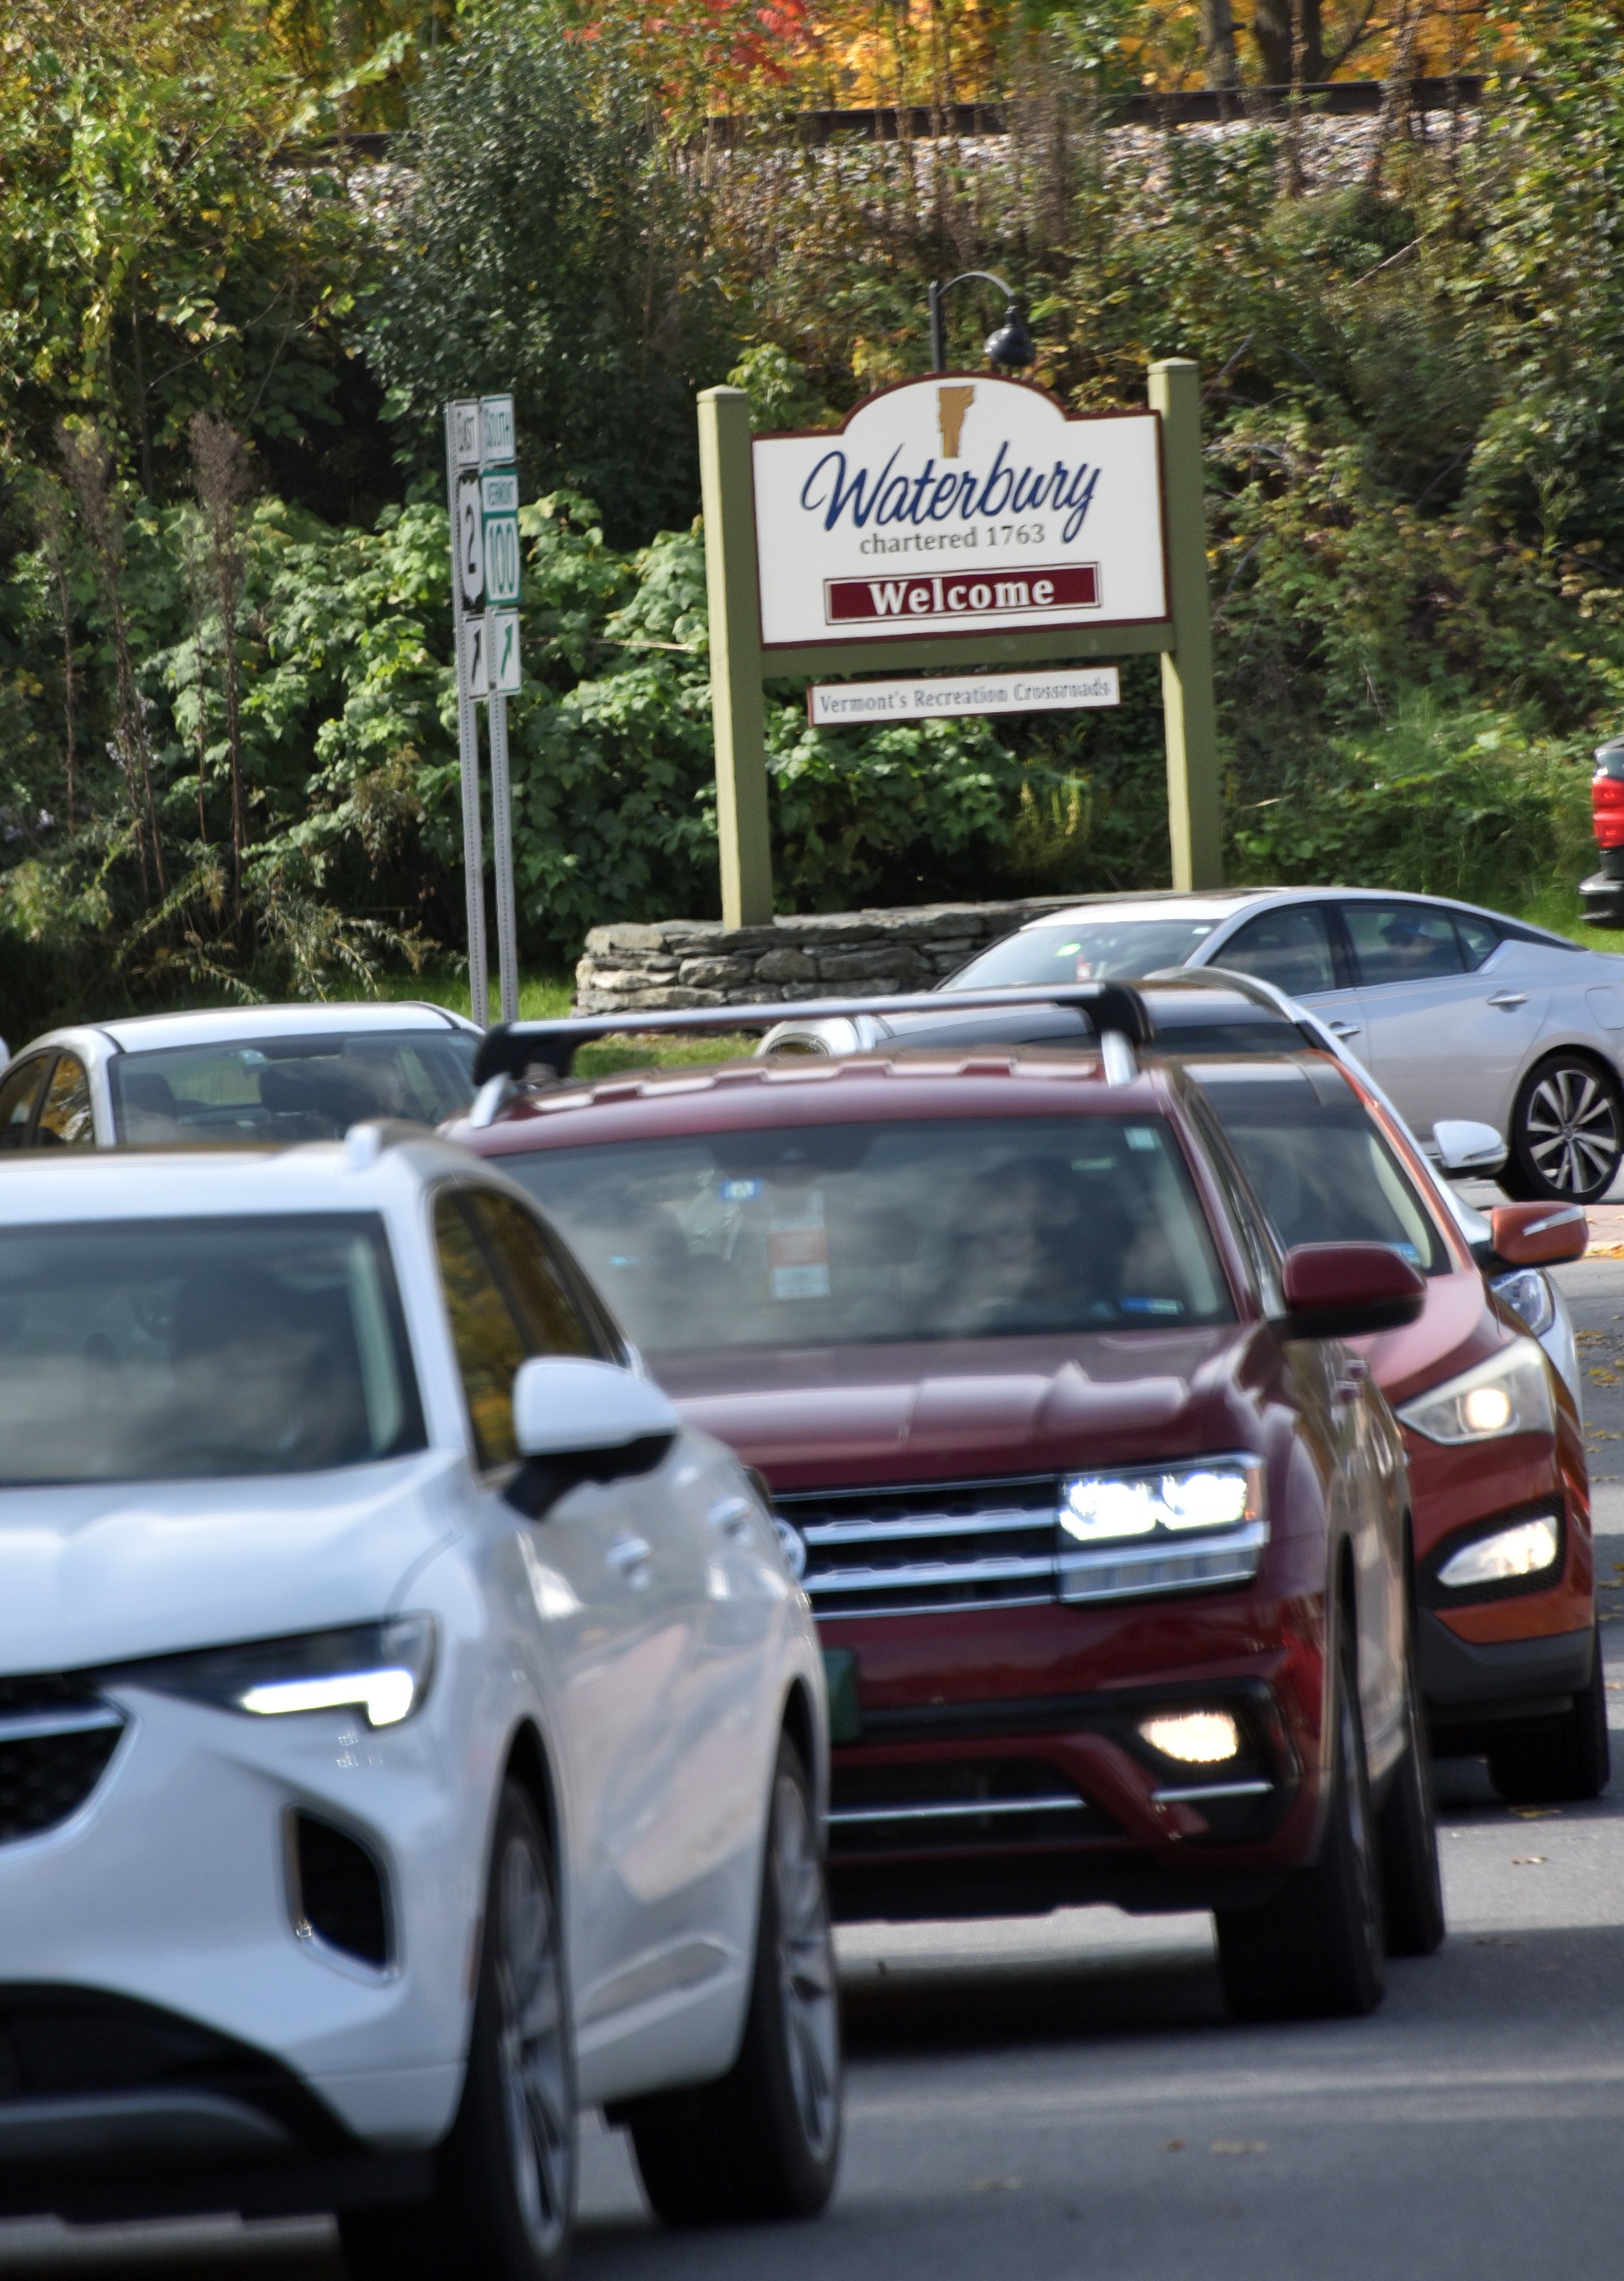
x,y
409,1730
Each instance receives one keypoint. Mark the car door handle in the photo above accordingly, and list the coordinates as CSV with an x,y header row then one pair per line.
x,y
1508,998
1343,1029
632,1556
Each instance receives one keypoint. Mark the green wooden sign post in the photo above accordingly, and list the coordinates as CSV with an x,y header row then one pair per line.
x,y
738,664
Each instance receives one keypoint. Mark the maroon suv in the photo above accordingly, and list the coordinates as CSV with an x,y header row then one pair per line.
x,y
1105,1530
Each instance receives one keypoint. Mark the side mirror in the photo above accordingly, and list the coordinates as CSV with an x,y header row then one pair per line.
x,y
1347,1290
565,1406
1466,1150
1539,1235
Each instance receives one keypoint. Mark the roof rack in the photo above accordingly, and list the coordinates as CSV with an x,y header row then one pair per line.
x,y
513,1048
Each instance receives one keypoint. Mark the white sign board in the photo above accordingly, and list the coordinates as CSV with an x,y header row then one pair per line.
x,y
496,431
469,540
1049,689
954,506
475,658
464,432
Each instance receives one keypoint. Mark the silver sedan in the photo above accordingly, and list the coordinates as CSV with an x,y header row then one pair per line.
x,y
1457,1012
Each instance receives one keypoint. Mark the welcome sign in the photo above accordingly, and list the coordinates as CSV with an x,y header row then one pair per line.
x,y
962,505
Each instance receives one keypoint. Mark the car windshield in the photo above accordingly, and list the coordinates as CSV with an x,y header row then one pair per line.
x,y
856,1233
1084,950
167,1349
286,1089
1322,1171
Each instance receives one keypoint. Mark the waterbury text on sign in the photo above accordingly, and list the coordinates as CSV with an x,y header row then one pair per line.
x,y
959,507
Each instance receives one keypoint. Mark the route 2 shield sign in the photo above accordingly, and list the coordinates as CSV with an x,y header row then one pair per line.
x,y
470,542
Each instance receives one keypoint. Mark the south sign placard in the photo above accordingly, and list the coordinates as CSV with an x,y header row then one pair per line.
x,y
959,504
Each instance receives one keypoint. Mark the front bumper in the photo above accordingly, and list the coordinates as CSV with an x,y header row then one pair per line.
x,y
1468,1686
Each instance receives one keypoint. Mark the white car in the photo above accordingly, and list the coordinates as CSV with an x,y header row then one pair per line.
x,y
1456,1012
409,1730
237,1073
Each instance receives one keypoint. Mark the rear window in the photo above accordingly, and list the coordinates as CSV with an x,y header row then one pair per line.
x,y
1323,1172
858,1233
175,1349
286,1089
1084,950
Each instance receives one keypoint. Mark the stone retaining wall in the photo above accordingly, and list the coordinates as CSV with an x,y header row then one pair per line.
x,y
837,954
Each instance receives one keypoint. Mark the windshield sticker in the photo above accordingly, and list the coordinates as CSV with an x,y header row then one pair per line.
x,y
739,1191
1141,1136
798,1246
1151,1306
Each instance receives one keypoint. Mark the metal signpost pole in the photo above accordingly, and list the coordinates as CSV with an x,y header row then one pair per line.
x,y
1189,706
460,433
498,489
738,711
501,838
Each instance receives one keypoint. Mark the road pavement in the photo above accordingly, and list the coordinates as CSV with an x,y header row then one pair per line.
x,y
1062,2097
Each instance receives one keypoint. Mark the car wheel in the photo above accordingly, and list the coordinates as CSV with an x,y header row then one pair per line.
x,y
503,2204
1567,1133
1407,1836
764,2141
1547,1761
1315,1950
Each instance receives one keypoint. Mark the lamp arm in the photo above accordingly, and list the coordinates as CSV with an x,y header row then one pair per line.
x,y
938,315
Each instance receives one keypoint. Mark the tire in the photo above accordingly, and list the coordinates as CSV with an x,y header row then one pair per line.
x,y
503,2204
1407,1838
764,2141
1315,1950
1566,1137
1557,1761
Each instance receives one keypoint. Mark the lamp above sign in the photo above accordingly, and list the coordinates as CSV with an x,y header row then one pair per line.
x,y
965,505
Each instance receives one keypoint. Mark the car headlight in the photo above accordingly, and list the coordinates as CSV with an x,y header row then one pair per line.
x,y
1161,1528
381,1670
1523,1550
1528,1293
1508,1394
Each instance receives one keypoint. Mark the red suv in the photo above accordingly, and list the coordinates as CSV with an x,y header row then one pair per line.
x,y
1104,1526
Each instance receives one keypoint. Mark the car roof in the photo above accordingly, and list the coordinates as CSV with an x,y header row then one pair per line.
x,y
138,1033
1220,903
360,1174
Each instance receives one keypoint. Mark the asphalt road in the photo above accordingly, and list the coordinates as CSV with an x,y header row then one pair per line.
x,y
1054,2100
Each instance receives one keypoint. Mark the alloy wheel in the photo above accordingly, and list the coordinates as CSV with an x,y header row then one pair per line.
x,y
531,2049
1571,1131
806,1969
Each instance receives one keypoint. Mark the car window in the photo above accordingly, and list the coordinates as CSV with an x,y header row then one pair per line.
x,y
1084,950
1289,947
1479,940
167,1349
64,1118
485,1330
981,1227
553,1321
19,1089
1402,942
285,1090
1321,1170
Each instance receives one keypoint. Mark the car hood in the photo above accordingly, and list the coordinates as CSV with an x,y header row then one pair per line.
x,y
823,1418
104,1573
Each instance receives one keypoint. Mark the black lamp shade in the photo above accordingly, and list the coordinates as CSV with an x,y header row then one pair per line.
x,y
1012,343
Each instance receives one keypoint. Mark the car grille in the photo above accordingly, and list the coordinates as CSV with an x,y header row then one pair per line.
x,y
56,1739
937,1803
971,1544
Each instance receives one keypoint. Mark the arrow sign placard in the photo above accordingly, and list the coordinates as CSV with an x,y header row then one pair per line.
x,y
499,507
476,659
470,542
502,642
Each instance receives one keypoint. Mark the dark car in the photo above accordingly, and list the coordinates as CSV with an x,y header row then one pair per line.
x,y
1104,1525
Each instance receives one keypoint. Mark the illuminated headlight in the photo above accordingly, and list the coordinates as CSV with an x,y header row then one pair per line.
x,y
1197,1738
1508,1394
381,1670
1523,1550
1161,1529
1526,1292
1103,1508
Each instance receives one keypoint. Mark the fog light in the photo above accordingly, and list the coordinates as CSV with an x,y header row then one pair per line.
x,y
1199,1738
1501,1558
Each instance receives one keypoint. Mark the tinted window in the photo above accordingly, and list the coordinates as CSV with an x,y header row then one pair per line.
x,y
1402,942
1085,950
174,1350
19,1089
1288,947
64,1120
552,1318
1322,1171
1478,940
484,1331
285,1090
842,1234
